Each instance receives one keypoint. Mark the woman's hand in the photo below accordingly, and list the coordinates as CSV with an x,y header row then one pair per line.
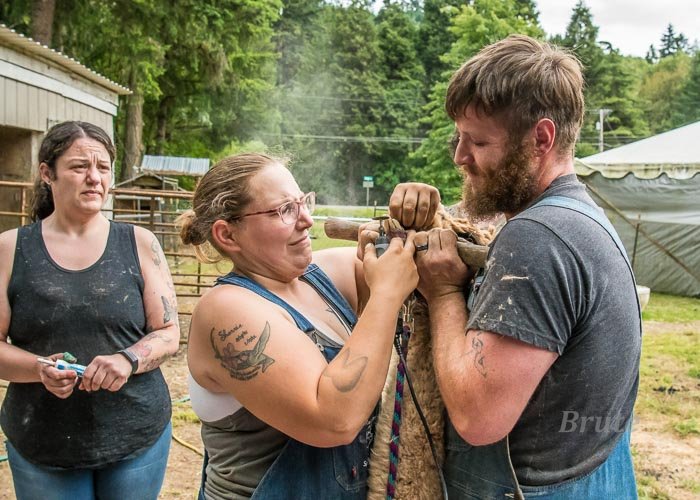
x,y
394,274
369,232
60,383
106,372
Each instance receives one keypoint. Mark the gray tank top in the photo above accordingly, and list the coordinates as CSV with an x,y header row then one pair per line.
x,y
94,311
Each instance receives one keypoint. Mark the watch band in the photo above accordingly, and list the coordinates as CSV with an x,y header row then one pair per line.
x,y
132,359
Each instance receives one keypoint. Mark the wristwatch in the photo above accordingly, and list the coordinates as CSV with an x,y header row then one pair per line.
x,y
132,359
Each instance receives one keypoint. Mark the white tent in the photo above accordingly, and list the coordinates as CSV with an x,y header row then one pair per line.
x,y
650,190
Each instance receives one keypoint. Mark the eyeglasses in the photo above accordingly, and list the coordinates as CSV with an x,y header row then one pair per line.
x,y
289,212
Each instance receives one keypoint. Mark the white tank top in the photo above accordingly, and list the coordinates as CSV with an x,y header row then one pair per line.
x,y
211,406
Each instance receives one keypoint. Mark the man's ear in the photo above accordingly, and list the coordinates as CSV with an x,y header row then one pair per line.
x,y
224,235
545,134
45,173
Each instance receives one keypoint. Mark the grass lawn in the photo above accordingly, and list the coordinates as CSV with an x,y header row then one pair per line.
x,y
668,403
669,388
671,309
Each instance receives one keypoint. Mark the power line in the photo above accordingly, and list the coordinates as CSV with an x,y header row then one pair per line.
x,y
350,99
351,138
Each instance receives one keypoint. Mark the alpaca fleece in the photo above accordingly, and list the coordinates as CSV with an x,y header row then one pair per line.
x,y
417,476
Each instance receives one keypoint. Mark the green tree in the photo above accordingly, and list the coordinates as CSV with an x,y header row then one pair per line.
x,y
331,110
16,14
672,43
611,84
293,31
219,66
42,20
616,89
661,90
355,66
199,70
436,38
689,100
582,37
402,80
651,56
116,39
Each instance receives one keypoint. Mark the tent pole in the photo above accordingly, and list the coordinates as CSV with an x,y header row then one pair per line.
x,y
655,242
636,238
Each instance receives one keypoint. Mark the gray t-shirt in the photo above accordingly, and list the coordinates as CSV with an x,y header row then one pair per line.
x,y
556,280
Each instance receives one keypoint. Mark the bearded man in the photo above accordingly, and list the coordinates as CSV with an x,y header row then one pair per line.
x,y
540,376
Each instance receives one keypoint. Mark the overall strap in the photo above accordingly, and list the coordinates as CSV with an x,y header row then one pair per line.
x,y
243,281
598,216
594,213
320,282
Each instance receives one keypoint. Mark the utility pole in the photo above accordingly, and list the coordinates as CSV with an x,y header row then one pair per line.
x,y
602,113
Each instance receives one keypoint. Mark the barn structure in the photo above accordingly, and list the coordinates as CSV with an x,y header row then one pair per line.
x,y
40,87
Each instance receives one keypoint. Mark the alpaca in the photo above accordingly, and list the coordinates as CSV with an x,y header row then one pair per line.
x,y
417,477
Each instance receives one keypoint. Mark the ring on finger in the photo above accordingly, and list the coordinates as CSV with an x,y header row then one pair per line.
x,y
421,248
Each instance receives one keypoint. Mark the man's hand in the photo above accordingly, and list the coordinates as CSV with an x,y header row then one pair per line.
x,y
60,383
414,204
106,372
440,268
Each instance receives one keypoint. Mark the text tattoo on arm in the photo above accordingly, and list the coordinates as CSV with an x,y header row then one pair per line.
x,y
245,364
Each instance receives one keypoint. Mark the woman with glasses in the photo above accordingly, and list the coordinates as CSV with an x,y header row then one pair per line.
x,y
284,376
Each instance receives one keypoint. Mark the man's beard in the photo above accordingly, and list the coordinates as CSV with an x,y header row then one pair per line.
x,y
507,189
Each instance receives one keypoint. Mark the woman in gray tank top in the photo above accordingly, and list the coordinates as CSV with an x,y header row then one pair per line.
x,y
74,281
277,335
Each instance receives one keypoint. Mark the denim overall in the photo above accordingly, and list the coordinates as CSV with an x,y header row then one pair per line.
x,y
486,472
302,471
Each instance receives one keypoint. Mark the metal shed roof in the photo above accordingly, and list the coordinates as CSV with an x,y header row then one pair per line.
x,y
13,39
175,165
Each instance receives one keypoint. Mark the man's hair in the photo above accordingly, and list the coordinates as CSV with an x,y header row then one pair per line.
x,y
525,80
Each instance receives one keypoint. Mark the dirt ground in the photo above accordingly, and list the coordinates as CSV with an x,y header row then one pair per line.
x,y
672,461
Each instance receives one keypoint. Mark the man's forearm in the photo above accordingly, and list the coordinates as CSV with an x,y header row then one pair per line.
x,y
448,321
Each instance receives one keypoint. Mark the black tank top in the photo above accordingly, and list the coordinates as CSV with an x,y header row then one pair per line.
x,y
98,310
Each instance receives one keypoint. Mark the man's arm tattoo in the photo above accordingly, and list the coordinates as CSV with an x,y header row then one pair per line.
x,y
345,374
478,356
246,364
